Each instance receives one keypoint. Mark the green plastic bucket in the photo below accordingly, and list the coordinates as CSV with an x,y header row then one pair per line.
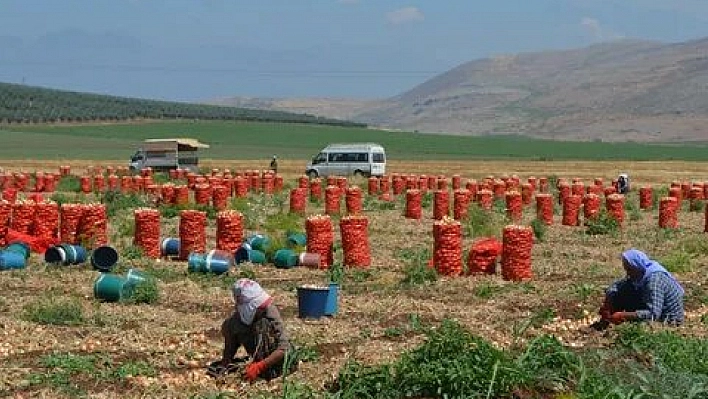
x,y
259,242
285,258
134,277
110,287
297,239
246,254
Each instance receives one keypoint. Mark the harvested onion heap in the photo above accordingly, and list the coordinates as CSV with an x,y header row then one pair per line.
x,y
516,252
70,217
447,246
355,240
414,208
192,232
461,204
354,200
229,230
298,200
441,204
147,231
93,227
23,216
482,258
320,238
46,220
332,200
5,213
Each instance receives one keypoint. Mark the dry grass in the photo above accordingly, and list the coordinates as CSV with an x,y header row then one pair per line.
x,y
179,335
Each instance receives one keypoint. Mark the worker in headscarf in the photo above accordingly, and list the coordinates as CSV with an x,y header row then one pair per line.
x,y
257,326
623,183
274,164
648,293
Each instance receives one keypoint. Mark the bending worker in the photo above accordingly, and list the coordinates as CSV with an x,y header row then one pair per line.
x,y
648,293
256,324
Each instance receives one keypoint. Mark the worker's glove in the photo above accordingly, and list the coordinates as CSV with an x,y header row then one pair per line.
x,y
254,369
606,311
618,317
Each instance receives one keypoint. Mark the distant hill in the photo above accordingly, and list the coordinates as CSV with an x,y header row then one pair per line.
x,y
621,91
28,104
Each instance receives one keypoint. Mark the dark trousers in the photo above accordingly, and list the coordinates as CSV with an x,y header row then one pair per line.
x,y
627,298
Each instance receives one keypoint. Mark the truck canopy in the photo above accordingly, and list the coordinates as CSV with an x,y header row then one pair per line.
x,y
180,144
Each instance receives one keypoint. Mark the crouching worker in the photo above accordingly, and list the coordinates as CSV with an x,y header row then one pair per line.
x,y
257,326
648,293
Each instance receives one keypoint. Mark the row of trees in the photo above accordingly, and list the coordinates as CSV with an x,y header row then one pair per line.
x,y
27,104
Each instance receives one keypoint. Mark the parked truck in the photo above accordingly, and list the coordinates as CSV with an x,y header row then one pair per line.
x,y
167,154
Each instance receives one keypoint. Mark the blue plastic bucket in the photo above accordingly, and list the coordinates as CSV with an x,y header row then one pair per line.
x,y
12,260
259,242
297,239
170,246
218,262
19,247
110,288
104,258
332,305
311,302
55,254
285,258
75,254
246,254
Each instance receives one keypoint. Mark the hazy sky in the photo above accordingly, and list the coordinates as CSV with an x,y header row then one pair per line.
x,y
204,49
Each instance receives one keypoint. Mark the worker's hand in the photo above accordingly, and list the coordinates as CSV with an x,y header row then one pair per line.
x,y
605,311
618,317
253,370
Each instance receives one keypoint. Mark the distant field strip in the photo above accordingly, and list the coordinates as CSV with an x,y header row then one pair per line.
x,y
257,140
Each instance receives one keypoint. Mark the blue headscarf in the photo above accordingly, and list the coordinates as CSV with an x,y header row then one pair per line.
x,y
638,260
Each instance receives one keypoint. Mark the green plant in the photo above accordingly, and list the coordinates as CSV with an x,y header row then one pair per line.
x,y
55,311
70,183
481,223
583,290
677,261
283,222
486,290
417,271
147,291
247,272
539,229
696,205
132,253
603,223
116,201
135,368
426,199
335,273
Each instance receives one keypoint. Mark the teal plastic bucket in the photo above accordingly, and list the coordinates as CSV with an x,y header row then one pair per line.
x,y
332,305
259,242
285,258
170,246
246,254
134,277
19,247
75,254
297,239
55,254
104,258
110,288
10,260
311,302
196,262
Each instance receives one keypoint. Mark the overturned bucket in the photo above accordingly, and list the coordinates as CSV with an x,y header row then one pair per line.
x,y
12,260
75,254
133,278
19,247
309,259
110,288
215,261
170,246
259,242
297,239
285,258
104,258
246,254
55,254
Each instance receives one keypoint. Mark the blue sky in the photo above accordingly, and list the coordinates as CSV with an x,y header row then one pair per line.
x,y
204,49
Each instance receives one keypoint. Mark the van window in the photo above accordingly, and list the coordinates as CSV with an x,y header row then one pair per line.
x,y
360,157
337,157
379,157
320,158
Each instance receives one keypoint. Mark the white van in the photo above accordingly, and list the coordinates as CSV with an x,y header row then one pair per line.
x,y
346,159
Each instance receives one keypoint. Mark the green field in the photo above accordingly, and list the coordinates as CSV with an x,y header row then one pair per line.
x,y
255,140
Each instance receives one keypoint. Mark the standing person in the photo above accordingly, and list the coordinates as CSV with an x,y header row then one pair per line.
x,y
623,183
274,164
648,293
257,326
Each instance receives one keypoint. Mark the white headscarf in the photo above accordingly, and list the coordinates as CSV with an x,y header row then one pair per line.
x,y
249,296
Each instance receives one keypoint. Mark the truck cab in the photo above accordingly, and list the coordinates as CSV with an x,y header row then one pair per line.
x,y
167,154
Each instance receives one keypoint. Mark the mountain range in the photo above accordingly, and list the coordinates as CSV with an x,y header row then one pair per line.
x,y
627,90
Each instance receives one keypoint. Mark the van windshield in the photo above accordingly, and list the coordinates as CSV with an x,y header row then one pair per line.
x,y
378,157
319,158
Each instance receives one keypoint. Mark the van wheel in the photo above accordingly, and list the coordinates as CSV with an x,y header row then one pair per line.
x,y
359,173
312,174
